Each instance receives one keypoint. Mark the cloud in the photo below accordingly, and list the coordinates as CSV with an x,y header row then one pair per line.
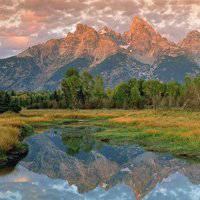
x,y
15,42
10,195
28,22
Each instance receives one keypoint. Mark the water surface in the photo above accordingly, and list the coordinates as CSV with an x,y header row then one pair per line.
x,y
68,164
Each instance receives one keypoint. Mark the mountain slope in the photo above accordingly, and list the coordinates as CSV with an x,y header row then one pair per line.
x,y
19,74
140,52
175,68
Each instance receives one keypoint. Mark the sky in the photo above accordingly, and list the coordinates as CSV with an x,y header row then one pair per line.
x,y
24,23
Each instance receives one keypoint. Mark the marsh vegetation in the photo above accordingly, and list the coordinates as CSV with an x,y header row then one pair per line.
x,y
174,131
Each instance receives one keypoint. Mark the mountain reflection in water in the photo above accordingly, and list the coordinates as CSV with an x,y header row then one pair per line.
x,y
68,164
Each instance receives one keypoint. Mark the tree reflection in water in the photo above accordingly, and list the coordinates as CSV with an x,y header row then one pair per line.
x,y
80,143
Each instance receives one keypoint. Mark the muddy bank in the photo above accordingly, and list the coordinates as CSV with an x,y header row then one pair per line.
x,y
12,157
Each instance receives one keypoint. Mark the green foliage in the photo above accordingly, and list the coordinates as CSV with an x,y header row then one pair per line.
x,y
192,92
72,89
78,144
121,95
83,91
153,91
71,72
98,93
15,105
26,131
4,102
8,102
173,94
108,101
135,97
87,82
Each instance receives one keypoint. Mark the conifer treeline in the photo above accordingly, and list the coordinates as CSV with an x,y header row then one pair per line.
x,y
82,91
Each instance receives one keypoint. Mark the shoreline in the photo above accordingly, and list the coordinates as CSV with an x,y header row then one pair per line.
x,y
172,131
13,157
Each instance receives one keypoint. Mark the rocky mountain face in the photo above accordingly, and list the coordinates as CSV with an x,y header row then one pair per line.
x,y
145,43
191,45
140,52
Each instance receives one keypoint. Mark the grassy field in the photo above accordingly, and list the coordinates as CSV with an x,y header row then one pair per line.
x,y
174,131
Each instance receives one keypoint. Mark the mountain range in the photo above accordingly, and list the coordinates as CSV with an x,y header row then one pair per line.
x,y
140,52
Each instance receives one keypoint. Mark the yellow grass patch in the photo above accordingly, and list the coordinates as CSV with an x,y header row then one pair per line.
x,y
11,121
8,137
122,119
152,131
190,133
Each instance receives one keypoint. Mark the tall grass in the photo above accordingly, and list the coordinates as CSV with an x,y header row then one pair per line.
x,y
8,137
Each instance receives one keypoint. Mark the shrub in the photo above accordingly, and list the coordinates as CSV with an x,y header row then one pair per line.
x,y
26,131
15,106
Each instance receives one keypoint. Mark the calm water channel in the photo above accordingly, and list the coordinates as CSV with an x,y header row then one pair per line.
x,y
67,164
